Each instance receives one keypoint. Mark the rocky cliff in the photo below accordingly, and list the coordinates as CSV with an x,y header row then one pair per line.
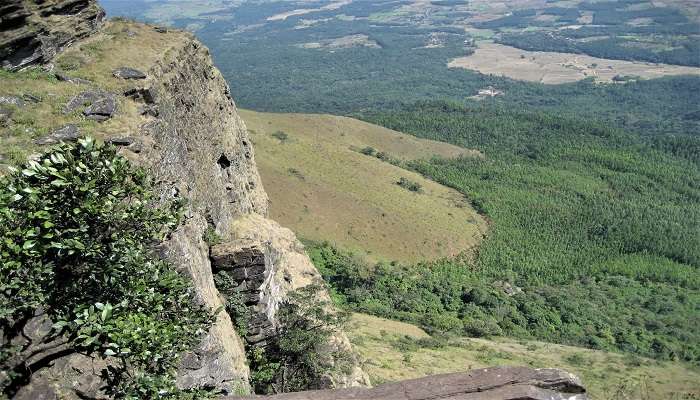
x,y
156,94
33,32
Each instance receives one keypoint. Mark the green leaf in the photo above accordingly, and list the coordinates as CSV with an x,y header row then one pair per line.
x,y
106,312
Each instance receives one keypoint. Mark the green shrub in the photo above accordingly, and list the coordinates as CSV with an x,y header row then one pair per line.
x,y
409,185
297,357
211,237
79,227
369,151
234,303
281,136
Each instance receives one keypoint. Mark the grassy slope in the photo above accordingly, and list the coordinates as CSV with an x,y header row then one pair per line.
x,y
392,352
324,190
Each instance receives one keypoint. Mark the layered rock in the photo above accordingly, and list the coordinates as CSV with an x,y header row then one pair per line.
x,y
33,32
508,383
198,149
268,263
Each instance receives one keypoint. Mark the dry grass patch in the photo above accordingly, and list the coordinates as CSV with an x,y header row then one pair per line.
x,y
322,187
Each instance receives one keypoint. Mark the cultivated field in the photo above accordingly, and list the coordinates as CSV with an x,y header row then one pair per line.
x,y
395,351
322,187
553,68
344,42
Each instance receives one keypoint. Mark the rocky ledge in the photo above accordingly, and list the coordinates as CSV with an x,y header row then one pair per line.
x,y
506,383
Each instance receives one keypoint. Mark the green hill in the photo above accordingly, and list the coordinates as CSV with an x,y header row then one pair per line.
x,y
323,187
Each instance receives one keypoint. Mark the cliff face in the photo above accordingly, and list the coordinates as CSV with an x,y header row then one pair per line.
x,y
33,32
197,148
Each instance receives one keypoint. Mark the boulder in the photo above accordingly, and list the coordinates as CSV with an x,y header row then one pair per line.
x,y
133,144
143,95
121,141
11,101
77,81
66,133
30,98
101,109
97,104
504,383
128,73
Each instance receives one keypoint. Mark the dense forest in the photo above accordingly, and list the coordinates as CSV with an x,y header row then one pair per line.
x,y
597,228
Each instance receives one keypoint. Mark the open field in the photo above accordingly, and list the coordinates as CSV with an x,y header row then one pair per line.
x,y
395,351
344,42
554,68
303,11
322,187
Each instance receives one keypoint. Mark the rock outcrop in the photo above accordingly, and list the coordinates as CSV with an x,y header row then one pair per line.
x,y
198,149
268,263
508,383
33,32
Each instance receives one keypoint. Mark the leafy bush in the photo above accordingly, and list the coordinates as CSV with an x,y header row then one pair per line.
x,y
234,302
369,151
78,229
211,237
298,356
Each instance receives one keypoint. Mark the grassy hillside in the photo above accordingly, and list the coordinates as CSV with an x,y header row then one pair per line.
x,y
323,187
394,351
